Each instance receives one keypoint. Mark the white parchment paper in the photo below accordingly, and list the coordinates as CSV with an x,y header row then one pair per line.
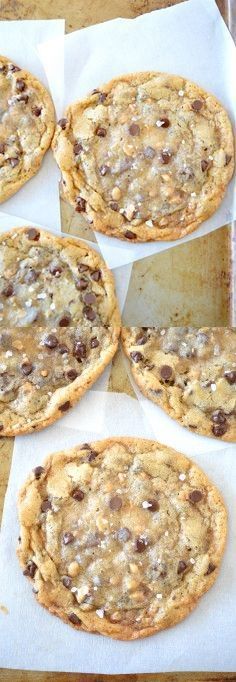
x,y
33,639
189,39
39,197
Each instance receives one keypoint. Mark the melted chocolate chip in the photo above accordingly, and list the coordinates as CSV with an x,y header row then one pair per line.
x,y
71,374
33,234
23,98
64,321
165,157
136,356
77,494
55,270
141,339
20,85
130,235
27,368
123,534
153,505
77,148
102,97
230,376
89,313
219,417
38,471
101,132
30,569
181,567
195,496
73,618
103,170
36,111
165,123
219,429
8,291
197,105
90,298
31,276
228,158
94,343
68,538
51,341
62,348
82,267
13,68
114,206
62,123
210,569
140,545
81,284
115,503
92,456
46,506
205,165
134,129
96,275
80,205
67,582
79,350
66,406
14,161
166,372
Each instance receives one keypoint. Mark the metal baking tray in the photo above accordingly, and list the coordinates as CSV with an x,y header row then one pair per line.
x,y
193,283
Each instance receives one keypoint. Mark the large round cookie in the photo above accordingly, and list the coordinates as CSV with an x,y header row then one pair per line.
x,y
44,373
148,157
49,280
120,537
26,126
190,373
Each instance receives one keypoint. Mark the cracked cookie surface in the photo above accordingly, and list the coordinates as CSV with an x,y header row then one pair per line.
x,y
26,127
190,373
49,280
147,157
42,375
120,537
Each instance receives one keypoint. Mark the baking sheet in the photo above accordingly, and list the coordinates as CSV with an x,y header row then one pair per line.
x,y
161,40
39,197
49,644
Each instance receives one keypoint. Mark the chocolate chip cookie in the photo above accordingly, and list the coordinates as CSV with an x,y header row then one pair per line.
x,y
52,281
147,157
190,373
120,537
26,127
42,375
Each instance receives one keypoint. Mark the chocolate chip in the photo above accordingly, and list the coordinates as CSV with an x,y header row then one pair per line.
x,y
136,356
102,97
33,234
81,283
141,339
74,619
79,350
3,69
219,429
166,372
92,456
96,275
114,206
67,582
55,270
51,341
195,496
66,406
20,85
219,417
13,68
134,129
46,506
165,123
62,123
210,569
103,170
27,368
101,132
71,374
149,152
115,503
64,321
80,205
3,147
38,471
94,343
62,348
230,376
1,427
153,505
8,291
82,267
77,148
36,111
14,161
130,235
123,534
197,105
205,165
31,276
89,313
90,298
31,569
140,545
68,538
165,157
78,494
228,158
181,567
23,98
